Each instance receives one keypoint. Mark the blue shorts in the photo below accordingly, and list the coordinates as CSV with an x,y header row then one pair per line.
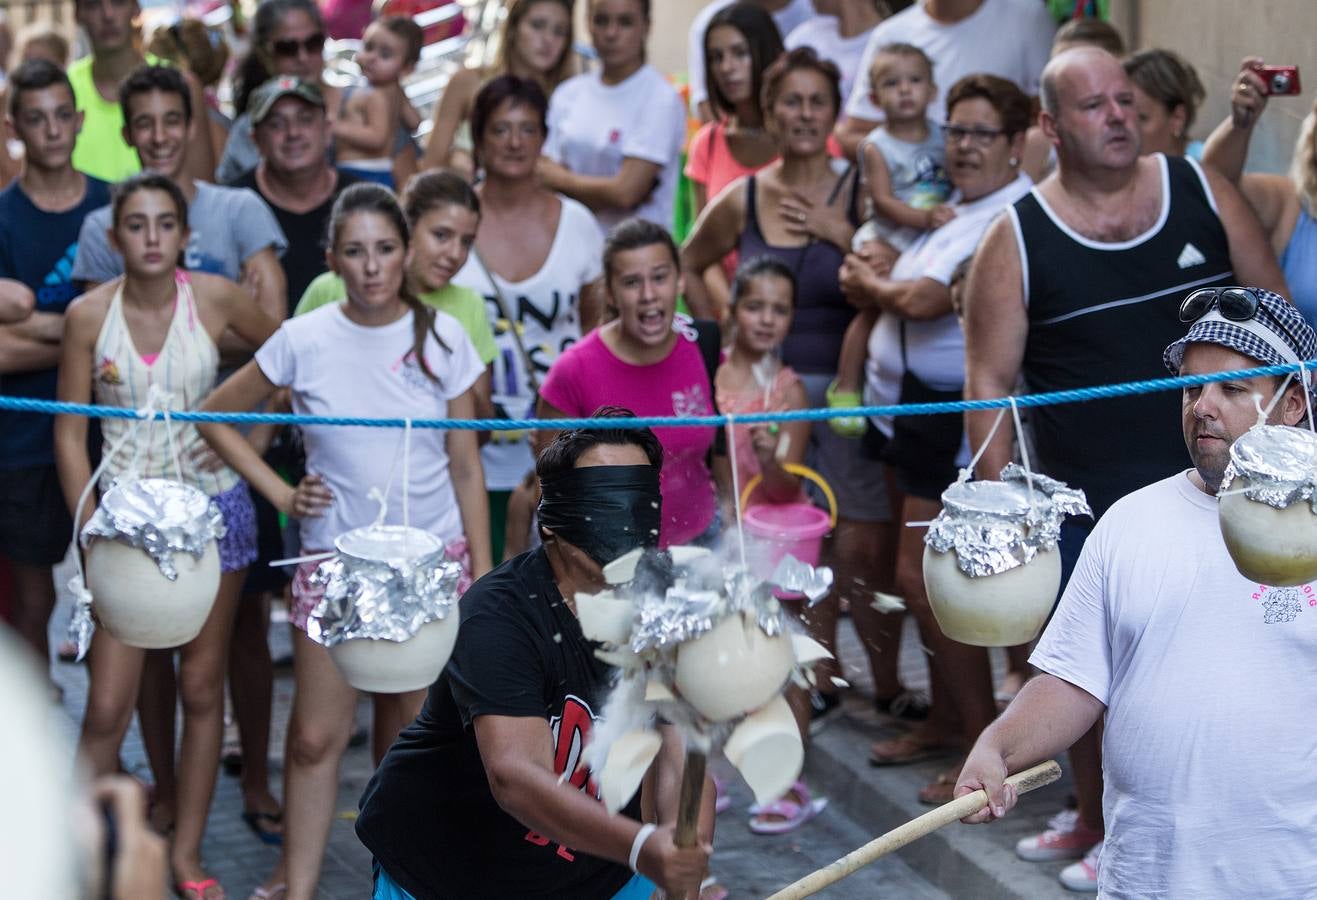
x,y
638,888
237,549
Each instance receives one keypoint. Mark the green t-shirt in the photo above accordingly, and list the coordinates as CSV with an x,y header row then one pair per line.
x,y
463,304
101,151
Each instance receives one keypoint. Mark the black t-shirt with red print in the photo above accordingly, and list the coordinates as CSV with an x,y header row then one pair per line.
x,y
428,815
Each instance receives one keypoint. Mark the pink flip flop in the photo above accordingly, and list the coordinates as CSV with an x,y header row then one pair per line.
x,y
723,801
792,814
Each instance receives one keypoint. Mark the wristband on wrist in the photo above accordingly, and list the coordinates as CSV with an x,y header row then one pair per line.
x,y
641,836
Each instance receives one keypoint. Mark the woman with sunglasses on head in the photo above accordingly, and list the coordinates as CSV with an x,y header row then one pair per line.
x,y
535,44
1285,204
615,133
287,38
916,355
381,352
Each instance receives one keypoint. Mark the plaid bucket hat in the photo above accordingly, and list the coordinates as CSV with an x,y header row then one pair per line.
x,y
1275,335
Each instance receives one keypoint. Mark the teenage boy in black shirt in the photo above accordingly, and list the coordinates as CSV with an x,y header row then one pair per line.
x,y
481,796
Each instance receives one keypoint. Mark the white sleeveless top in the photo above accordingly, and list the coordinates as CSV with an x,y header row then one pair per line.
x,y
185,367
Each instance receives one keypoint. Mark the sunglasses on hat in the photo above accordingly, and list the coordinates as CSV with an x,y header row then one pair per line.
x,y
312,45
1235,303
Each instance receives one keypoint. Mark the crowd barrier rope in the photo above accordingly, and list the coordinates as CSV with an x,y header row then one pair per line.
x,y
1054,398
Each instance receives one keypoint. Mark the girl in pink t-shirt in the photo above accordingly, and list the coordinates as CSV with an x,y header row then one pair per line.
x,y
645,362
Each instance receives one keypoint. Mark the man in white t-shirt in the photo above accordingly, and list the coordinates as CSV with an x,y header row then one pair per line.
x,y
788,14
1008,38
1208,680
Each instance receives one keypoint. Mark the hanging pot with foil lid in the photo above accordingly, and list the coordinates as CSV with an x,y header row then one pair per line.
x,y
991,565
389,612
153,565
1268,505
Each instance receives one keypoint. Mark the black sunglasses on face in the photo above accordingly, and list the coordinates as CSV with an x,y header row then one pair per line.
x,y
312,46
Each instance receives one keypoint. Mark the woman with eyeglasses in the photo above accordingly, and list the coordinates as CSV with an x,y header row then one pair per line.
x,y
1285,204
535,44
916,355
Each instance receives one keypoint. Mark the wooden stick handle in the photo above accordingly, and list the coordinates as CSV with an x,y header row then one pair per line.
x,y
968,805
692,792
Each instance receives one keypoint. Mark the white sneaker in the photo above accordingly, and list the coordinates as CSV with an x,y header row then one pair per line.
x,y
1065,838
1083,875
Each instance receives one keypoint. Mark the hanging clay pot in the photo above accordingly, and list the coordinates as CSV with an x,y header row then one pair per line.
x,y
993,610
1266,507
153,566
733,668
389,615
991,567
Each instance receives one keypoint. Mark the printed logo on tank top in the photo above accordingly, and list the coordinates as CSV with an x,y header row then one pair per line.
x,y
1189,257
615,136
1283,604
570,729
107,372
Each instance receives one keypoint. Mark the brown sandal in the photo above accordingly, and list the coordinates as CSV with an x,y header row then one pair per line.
x,y
941,791
906,749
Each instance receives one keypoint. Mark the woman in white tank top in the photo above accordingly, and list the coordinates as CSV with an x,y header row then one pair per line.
x,y
379,353
157,327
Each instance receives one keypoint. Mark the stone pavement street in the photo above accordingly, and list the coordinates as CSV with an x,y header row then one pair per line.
x,y
864,802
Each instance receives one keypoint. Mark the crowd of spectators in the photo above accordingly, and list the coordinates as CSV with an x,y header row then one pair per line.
x,y
951,200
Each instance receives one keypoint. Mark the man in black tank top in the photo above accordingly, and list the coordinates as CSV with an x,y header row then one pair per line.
x,y
1079,284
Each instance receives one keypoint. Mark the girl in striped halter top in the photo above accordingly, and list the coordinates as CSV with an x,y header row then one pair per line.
x,y
156,328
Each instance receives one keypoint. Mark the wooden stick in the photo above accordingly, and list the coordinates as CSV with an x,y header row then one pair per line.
x,y
692,793
968,805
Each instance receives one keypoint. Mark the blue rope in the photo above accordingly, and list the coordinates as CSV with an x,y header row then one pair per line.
x,y
1076,395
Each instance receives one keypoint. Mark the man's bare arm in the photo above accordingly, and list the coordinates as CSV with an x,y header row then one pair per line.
x,y
996,328
1047,717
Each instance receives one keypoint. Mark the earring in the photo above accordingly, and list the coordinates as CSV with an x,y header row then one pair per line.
x,y
1014,161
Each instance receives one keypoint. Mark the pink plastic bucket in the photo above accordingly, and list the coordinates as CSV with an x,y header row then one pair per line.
x,y
782,528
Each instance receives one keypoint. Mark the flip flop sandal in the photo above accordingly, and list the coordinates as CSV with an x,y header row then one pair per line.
x,y
724,800
710,889
188,889
274,892
904,750
941,791
792,814
259,823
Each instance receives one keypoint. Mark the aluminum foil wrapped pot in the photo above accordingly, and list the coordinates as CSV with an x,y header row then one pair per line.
x,y
1268,505
389,613
991,565
153,564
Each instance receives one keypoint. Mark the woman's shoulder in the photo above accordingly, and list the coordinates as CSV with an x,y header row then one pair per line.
x,y
576,217
88,311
